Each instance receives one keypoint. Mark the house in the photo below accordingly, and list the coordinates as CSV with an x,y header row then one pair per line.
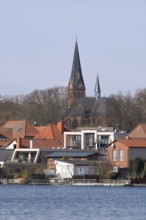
x,y
89,138
12,131
121,152
29,136
32,160
25,155
44,159
71,168
72,163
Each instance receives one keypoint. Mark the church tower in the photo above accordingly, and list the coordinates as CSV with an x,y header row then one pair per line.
x,y
76,87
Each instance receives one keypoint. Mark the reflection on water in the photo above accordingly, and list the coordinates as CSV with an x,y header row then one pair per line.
x,y
72,202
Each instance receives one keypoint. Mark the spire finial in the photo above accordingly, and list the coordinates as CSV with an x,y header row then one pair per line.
x,y
76,38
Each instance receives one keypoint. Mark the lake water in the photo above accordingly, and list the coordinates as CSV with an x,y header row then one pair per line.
x,y
72,202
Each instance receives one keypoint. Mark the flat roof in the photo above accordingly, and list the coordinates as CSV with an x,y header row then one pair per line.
x,y
72,154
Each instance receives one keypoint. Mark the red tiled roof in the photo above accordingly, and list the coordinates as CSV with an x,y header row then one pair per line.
x,y
21,128
49,137
40,128
134,143
138,132
6,133
37,143
144,127
47,133
51,132
131,142
47,143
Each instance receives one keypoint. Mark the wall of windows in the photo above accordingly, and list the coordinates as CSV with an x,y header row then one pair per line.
x,y
118,155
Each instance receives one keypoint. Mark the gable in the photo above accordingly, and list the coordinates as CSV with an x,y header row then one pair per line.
x,y
30,130
138,132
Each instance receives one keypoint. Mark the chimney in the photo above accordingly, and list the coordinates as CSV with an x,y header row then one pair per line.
x,y
60,126
31,144
18,141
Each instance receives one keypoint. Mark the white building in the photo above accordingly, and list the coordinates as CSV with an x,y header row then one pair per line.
x,y
68,169
96,138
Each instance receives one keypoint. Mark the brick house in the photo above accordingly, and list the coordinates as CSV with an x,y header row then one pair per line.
x,y
29,136
121,152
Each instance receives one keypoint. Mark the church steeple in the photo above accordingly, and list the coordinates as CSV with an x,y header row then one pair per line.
x,y
76,86
97,88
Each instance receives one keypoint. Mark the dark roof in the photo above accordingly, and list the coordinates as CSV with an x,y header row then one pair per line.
x,y
88,106
82,106
77,154
6,154
80,162
76,73
99,107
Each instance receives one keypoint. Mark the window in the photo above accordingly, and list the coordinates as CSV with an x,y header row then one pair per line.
x,y
89,139
121,155
114,155
104,139
80,170
78,137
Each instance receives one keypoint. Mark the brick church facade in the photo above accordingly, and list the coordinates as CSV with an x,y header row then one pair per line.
x,y
83,111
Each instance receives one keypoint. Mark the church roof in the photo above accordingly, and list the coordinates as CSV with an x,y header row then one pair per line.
x,y
99,107
88,106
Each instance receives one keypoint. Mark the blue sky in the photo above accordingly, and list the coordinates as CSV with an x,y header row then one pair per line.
x,y
38,37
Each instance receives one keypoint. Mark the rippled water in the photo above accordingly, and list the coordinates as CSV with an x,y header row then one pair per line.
x,y
72,202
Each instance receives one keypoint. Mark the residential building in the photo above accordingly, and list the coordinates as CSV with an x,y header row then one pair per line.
x,y
123,151
70,169
89,138
21,134
72,163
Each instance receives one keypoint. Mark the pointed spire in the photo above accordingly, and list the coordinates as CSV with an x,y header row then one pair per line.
x,y
76,86
76,72
97,88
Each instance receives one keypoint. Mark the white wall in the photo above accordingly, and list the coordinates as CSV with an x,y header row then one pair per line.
x,y
11,146
64,170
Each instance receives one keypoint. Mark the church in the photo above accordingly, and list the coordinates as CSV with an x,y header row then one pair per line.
x,y
83,111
